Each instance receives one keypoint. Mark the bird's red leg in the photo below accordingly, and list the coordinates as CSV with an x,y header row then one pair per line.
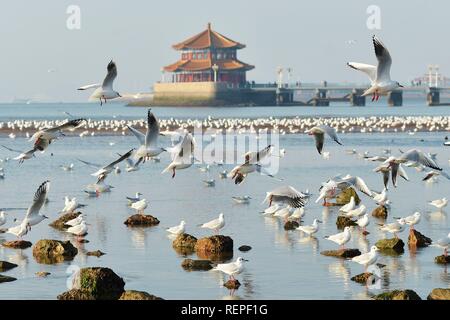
x,y
378,96
373,96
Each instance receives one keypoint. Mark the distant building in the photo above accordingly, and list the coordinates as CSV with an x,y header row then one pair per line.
x,y
209,57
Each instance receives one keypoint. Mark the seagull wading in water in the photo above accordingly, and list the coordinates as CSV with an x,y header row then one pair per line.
x,y
379,75
148,143
105,90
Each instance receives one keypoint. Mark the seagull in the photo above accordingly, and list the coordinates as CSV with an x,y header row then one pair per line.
x,y
67,167
2,217
134,199
22,155
140,206
311,229
283,213
20,230
104,171
215,224
42,138
297,214
349,206
341,238
223,174
434,174
257,156
131,165
241,200
319,136
209,182
70,205
183,156
104,90
76,221
368,258
443,243
395,227
380,198
412,219
148,143
232,268
179,229
333,186
79,230
439,203
363,222
355,213
271,210
286,195
385,169
379,76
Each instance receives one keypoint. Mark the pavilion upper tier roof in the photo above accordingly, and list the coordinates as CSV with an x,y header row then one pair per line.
x,y
206,64
208,39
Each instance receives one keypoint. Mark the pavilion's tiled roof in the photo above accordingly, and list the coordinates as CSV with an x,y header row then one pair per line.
x,y
200,65
207,39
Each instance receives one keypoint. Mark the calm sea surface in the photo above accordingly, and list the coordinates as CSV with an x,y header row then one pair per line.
x,y
282,264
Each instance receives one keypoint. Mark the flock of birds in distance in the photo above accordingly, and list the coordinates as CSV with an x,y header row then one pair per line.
x,y
284,202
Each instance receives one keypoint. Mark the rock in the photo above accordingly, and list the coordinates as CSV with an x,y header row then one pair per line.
x,y
244,248
345,196
96,253
395,244
232,284
60,222
398,295
214,244
380,212
76,294
138,295
53,251
141,220
6,278
362,277
439,294
184,244
442,259
5,266
17,244
342,253
342,222
101,283
291,225
417,239
189,264
42,274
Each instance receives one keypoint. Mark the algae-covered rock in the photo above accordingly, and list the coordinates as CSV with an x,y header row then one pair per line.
x,y
141,220
76,294
60,223
291,225
344,197
398,295
138,295
232,284
96,253
244,248
439,294
417,239
342,253
214,244
342,222
184,244
395,244
42,274
17,244
102,283
5,266
380,212
53,251
189,264
363,278
6,279
442,259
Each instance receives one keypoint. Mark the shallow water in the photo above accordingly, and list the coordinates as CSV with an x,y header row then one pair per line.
x,y
282,264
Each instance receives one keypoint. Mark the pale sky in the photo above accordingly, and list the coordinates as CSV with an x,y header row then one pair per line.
x,y
309,36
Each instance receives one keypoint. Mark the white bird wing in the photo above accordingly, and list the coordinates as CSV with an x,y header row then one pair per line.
x,y
90,86
38,200
139,135
71,124
289,195
121,158
186,149
358,183
384,60
12,150
94,165
369,70
211,224
402,173
152,131
331,132
257,156
112,74
420,157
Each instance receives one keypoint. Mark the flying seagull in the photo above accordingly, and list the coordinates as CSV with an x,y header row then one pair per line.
x,y
22,155
379,75
183,155
319,136
105,90
286,195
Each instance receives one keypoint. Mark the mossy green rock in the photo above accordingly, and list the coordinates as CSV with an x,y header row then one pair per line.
x,y
342,222
138,295
342,253
291,225
60,223
53,251
189,264
439,294
5,266
142,220
344,197
398,295
101,283
394,244
362,277
76,294
380,212
442,259
184,244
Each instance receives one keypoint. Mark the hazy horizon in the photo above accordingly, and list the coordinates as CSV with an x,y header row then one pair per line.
x,y
310,37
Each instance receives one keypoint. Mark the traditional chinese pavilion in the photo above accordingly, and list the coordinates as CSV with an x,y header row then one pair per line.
x,y
209,57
